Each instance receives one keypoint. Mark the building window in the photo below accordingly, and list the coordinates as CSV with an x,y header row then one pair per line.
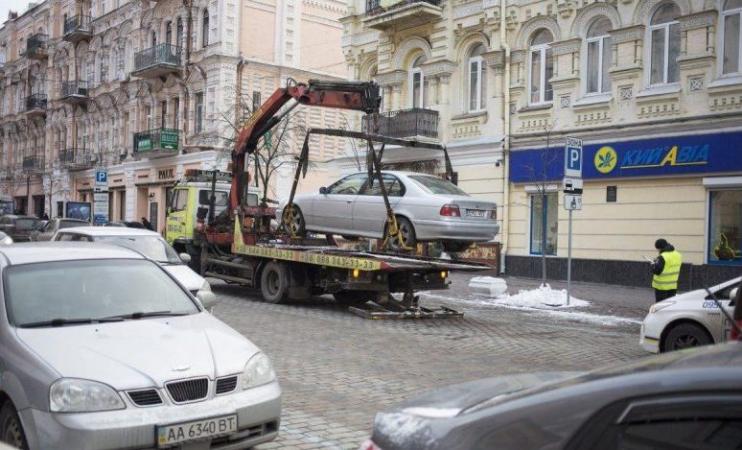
x,y
205,29
544,217
176,113
148,117
541,68
179,31
598,57
169,33
611,194
199,119
417,83
732,36
163,114
725,227
477,80
665,45
154,39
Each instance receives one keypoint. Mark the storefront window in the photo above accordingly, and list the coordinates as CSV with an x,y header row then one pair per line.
x,y
725,227
541,215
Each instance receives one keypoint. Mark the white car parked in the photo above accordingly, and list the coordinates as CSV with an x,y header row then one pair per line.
x,y
149,244
689,319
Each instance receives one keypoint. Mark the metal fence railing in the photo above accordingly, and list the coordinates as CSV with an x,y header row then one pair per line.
x,y
36,101
77,24
166,54
75,88
403,123
159,139
375,6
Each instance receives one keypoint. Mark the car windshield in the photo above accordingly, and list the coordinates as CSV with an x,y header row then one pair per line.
x,y
153,247
437,186
90,289
26,224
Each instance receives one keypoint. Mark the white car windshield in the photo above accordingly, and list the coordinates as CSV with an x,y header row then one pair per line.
x,y
60,293
153,247
437,186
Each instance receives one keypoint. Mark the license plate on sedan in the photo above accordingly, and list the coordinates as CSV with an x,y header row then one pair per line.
x,y
475,212
169,435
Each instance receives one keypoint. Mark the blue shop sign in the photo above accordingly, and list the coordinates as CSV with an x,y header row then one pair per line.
x,y
675,155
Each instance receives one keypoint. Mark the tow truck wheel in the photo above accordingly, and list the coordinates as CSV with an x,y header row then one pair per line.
x,y
274,282
407,232
354,298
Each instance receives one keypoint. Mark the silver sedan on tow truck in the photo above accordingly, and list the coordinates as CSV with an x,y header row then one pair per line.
x,y
101,348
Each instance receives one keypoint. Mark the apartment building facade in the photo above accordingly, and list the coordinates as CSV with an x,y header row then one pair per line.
x,y
146,90
652,87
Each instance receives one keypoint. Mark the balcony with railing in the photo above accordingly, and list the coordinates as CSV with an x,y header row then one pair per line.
x,y
156,143
77,28
408,123
75,91
36,46
381,15
36,104
33,164
157,61
77,158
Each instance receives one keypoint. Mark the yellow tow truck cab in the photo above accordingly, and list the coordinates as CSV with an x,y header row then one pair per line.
x,y
187,197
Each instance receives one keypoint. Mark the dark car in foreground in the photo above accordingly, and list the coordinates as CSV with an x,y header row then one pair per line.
x,y
689,399
19,228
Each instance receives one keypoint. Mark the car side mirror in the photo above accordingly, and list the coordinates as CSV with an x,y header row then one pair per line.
x,y
733,294
207,298
185,257
323,190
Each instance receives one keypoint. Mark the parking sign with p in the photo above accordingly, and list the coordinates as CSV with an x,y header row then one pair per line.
x,y
573,158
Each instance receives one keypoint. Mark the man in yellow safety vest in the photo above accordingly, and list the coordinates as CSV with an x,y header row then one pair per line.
x,y
666,270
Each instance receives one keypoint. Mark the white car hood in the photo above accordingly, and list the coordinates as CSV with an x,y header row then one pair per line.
x,y
142,353
185,275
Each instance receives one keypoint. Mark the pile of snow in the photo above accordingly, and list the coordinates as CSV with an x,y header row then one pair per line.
x,y
543,297
488,286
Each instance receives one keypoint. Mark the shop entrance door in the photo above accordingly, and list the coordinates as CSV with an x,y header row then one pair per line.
x,y
153,215
38,205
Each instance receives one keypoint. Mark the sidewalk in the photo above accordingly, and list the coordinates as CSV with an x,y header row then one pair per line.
x,y
604,299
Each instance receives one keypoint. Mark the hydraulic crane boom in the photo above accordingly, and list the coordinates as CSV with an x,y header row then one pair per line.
x,y
358,96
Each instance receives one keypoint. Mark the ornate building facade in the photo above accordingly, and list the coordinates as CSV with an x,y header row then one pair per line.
x,y
146,90
652,87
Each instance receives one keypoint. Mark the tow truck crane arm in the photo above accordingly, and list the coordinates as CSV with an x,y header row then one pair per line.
x,y
358,96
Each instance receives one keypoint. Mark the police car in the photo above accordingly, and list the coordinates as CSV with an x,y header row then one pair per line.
x,y
689,319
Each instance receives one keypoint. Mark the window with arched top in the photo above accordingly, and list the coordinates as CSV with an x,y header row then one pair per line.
x,y
153,37
477,79
665,45
598,56
732,44
417,83
205,29
541,67
169,33
179,32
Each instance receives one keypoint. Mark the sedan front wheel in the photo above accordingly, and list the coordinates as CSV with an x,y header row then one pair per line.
x,y
295,222
11,430
685,335
405,239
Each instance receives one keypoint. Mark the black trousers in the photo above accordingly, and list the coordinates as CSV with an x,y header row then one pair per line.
x,y
661,295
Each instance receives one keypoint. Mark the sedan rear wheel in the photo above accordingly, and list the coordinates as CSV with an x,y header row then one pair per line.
x,y
406,238
685,335
297,225
11,430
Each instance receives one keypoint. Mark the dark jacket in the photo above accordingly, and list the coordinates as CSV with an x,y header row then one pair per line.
x,y
659,264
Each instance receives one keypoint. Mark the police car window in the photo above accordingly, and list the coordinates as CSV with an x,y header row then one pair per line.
x,y
349,185
180,199
220,198
394,187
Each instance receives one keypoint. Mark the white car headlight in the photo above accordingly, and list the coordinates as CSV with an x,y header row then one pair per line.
x,y
258,371
660,306
75,395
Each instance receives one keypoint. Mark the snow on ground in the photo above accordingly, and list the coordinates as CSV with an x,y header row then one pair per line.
x,y
544,300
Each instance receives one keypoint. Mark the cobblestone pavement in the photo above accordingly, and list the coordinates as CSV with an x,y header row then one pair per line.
x,y
337,369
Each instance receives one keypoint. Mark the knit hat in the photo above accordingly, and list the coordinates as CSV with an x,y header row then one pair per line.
x,y
660,244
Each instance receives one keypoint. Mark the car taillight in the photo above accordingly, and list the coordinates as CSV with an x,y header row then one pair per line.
x,y
450,211
734,335
493,214
369,445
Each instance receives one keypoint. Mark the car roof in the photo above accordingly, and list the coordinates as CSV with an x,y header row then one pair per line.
x,y
37,252
15,216
110,231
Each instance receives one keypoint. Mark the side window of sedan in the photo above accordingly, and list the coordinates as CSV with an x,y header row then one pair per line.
x,y
350,185
394,187
64,237
692,421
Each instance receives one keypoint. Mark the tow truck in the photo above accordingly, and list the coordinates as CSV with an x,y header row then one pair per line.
x,y
240,246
